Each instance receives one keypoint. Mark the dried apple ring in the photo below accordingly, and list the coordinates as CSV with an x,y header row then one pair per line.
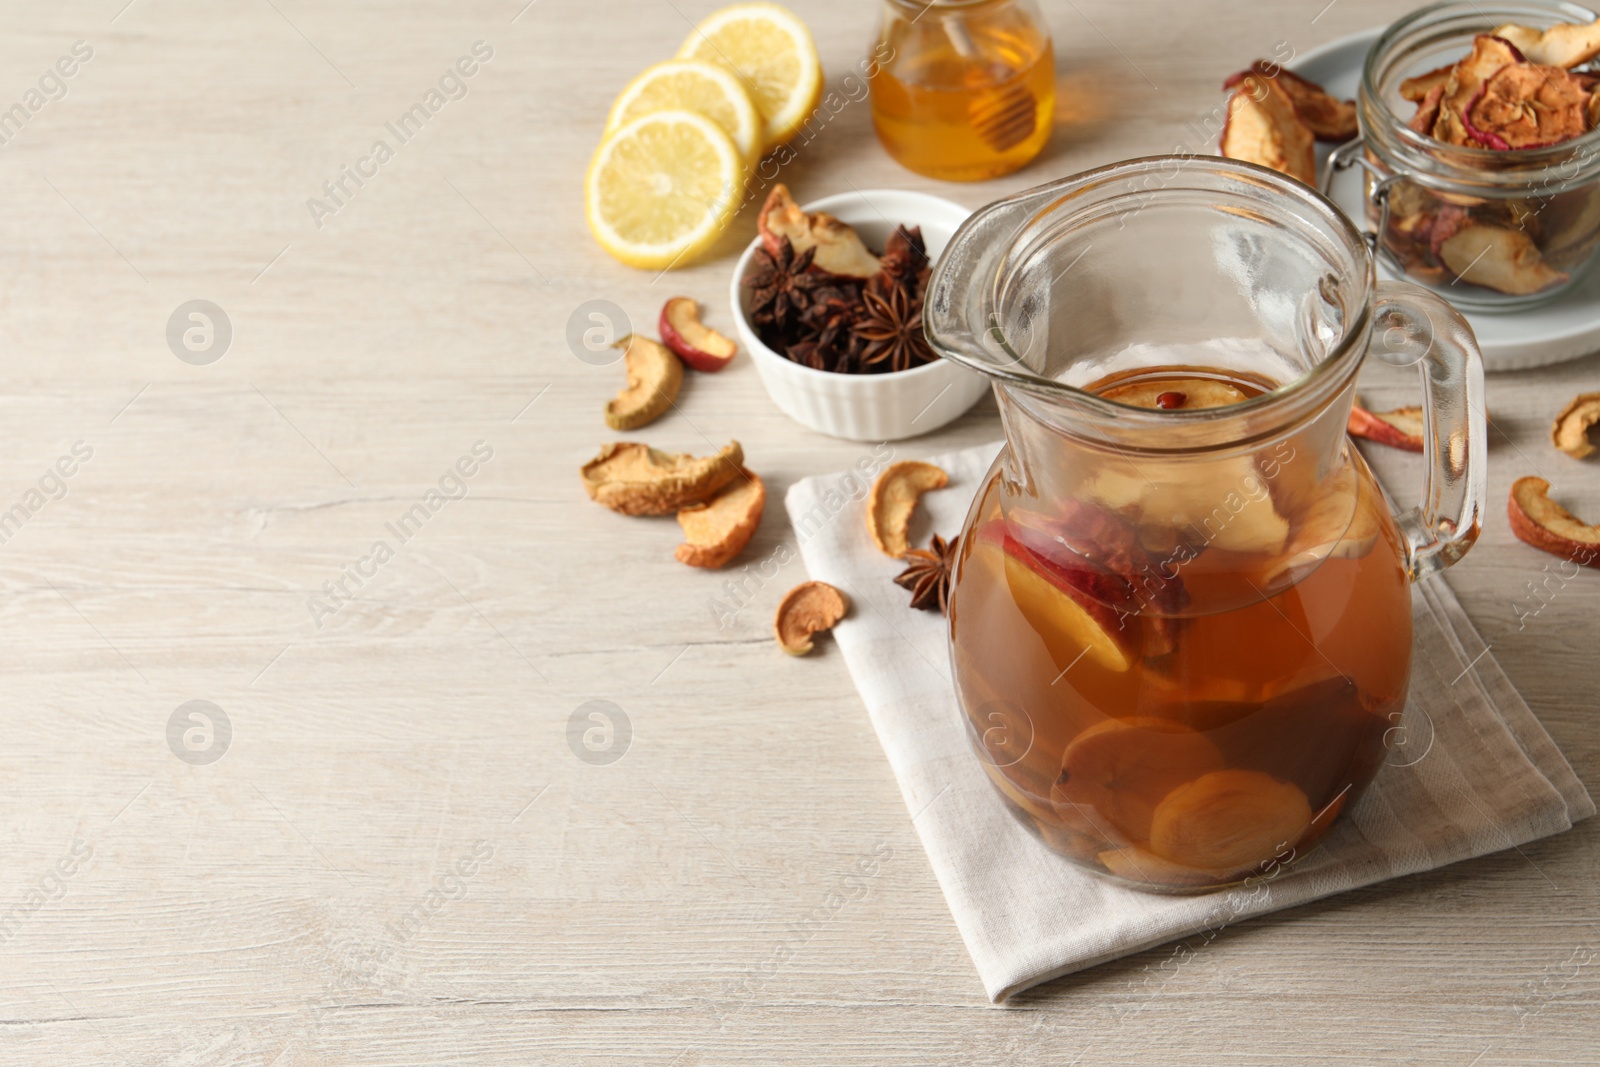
x,y
1570,432
1189,394
894,497
1069,609
1229,819
809,608
717,531
654,377
1526,105
1120,770
1541,522
1137,865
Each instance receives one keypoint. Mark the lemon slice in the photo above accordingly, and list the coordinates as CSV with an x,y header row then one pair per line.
x,y
662,187
693,85
773,51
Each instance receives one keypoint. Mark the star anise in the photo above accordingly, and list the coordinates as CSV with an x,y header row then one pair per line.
x,y
835,304
927,574
891,326
781,285
832,348
904,254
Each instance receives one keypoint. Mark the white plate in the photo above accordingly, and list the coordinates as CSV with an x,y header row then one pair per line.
x,y
1566,328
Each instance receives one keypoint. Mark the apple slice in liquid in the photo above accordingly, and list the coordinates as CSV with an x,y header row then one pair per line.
x,y
1068,602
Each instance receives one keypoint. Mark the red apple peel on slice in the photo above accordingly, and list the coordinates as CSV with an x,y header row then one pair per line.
x,y
696,344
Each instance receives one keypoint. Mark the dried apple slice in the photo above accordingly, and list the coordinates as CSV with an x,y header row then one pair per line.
x,y
1263,127
1527,105
1229,819
1139,865
1563,45
839,247
1327,117
1183,394
1340,522
1541,522
1489,54
1417,88
1427,111
808,609
1121,769
692,341
654,378
717,531
894,497
1570,432
1068,607
1398,428
1220,503
635,479
1494,257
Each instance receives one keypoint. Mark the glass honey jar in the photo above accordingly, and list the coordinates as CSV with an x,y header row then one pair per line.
x,y
965,89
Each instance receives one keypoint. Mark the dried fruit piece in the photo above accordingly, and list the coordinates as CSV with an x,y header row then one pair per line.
x,y
1069,608
1541,522
654,378
1417,88
1526,105
1229,819
1570,432
1190,394
809,608
717,531
1489,54
1427,111
1223,504
1340,522
1398,428
1138,865
1327,117
693,342
894,497
1563,45
1122,768
1263,127
839,247
1494,257
635,479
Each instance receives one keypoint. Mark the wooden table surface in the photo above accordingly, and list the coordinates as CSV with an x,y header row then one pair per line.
x,y
399,859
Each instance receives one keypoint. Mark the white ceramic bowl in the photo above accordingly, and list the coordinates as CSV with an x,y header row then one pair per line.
x,y
866,407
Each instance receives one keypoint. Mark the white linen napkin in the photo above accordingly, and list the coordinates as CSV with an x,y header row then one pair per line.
x,y
1477,773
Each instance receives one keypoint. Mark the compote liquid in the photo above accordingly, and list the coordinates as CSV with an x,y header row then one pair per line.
x,y
1184,684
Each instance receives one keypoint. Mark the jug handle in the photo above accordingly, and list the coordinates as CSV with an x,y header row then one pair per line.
x,y
1413,325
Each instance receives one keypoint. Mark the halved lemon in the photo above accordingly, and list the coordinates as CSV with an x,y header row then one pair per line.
x,y
693,85
771,49
662,187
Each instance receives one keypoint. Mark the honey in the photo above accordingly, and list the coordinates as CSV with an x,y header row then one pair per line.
x,y
965,97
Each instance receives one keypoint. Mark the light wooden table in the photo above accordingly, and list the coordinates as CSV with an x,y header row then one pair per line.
x,y
668,908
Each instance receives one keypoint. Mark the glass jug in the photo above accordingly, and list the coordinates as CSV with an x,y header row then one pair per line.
x,y
1180,621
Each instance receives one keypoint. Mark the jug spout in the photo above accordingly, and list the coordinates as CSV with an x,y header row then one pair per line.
x,y
959,313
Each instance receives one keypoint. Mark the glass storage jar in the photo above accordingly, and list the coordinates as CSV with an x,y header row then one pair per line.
x,y
1533,213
